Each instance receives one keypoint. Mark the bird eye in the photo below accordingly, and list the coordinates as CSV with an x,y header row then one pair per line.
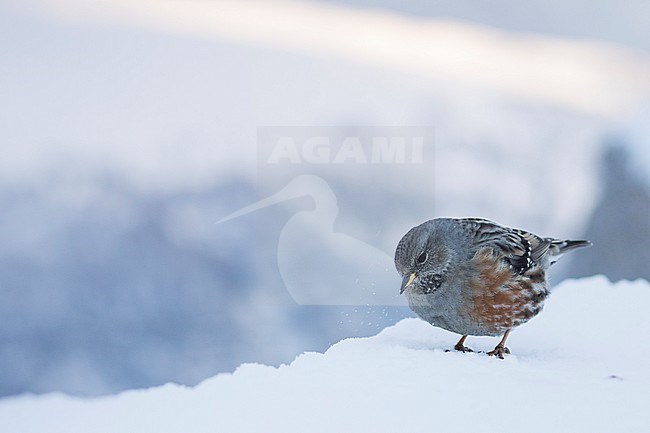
x,y
422,258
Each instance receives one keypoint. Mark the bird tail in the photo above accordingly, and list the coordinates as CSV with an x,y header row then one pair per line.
x,y
557,248
564,246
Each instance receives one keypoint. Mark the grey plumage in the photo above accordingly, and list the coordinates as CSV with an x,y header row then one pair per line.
x,y
472,276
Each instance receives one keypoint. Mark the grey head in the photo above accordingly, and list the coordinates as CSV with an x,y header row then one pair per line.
x,y
429,254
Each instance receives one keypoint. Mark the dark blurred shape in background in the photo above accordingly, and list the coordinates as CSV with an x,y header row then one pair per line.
x,y
620,224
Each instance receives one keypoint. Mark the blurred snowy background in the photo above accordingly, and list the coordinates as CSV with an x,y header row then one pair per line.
x,y
130,127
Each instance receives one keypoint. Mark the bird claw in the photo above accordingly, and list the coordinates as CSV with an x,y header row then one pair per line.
x,y
461,348
499,351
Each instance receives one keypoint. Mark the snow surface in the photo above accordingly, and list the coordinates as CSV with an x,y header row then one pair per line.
x,y
580,366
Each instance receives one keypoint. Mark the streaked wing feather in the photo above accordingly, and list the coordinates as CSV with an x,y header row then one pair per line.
x,y
520,248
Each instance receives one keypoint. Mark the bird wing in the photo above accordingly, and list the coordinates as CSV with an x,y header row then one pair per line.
x,y
519,248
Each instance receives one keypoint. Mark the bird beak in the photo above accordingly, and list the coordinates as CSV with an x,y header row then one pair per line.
x,y
408,279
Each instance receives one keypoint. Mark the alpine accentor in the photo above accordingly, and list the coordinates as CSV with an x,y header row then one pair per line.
x,y
472,276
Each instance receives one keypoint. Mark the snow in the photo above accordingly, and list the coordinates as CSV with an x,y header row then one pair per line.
x,y
576,367
560,72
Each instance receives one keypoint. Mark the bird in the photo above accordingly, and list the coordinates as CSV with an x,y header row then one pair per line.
x,y
472,276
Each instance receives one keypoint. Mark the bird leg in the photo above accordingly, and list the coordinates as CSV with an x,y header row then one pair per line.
x,y
460,347
501,348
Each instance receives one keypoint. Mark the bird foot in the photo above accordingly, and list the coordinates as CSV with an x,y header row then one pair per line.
x,y
499,351
461,348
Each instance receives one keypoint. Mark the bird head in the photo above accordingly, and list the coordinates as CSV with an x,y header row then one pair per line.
x,y
423,258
